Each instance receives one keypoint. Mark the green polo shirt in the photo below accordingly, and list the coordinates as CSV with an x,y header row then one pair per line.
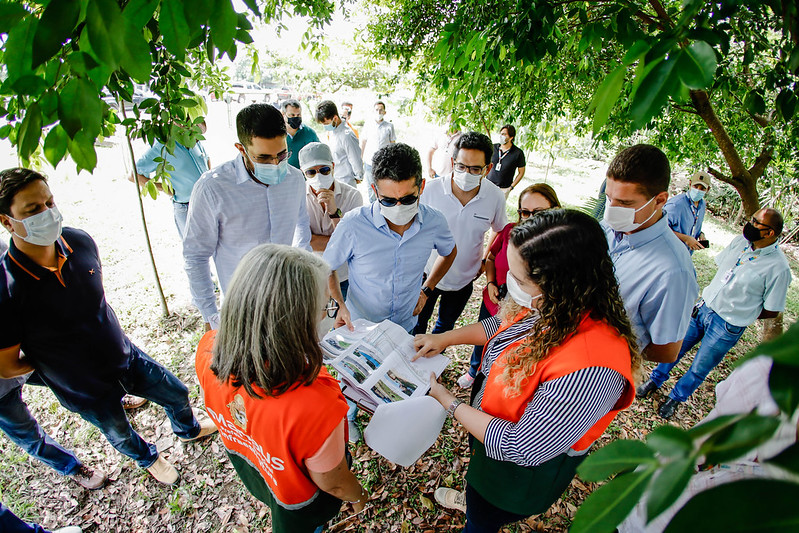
x,y
303,136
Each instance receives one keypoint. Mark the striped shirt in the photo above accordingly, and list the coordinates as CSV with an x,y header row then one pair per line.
x,y
559,414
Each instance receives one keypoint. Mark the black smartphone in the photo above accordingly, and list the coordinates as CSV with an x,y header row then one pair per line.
x,y
705,243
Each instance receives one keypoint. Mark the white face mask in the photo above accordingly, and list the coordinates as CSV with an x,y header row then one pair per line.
x,y
378,116
42,229
622,219
320,181
465,181
518,294
399,214
503,139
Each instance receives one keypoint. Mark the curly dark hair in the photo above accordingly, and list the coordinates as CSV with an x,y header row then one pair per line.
x,y
566,253
397,162
473,140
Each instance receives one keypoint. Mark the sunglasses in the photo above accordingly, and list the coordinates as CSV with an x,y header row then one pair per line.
x,y
331,308
311,172
526,213
405,200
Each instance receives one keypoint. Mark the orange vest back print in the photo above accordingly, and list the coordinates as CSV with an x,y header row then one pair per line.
x,y
274,434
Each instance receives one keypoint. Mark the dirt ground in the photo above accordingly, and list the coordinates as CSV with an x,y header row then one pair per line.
x,y
210,496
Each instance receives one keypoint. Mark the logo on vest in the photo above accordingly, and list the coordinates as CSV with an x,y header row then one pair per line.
x,y
238,412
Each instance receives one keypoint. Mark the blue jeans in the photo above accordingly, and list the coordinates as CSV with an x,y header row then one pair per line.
x,y
149,379
477,353
181,212
452,305
11,523
484,517
717,336
24,431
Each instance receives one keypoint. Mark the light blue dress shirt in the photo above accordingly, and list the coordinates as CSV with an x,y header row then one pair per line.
x,y
189,165
657,281
685,217
385,269
759,280
229,214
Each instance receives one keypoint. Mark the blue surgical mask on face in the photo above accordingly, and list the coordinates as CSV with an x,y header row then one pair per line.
x,y
329,127
270,174
695,194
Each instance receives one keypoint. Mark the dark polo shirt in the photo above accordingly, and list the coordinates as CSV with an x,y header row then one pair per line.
x,y
505,165
62,322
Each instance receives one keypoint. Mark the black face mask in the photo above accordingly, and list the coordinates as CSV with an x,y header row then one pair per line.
x,y
294,122
751,233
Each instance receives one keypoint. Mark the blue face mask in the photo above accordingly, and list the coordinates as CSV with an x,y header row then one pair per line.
x,y
329,127
270,174
695,194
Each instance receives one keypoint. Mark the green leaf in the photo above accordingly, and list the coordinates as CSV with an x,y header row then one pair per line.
x,y
197,13
654,91
754,103
80,108
635,52
147,102
782,349
30,131
105,31
253,5
139,12
615,457
55,145
224,22
735,440
786,103
751,505
30,85
670,441
11,13
174,28
18,49
606,96
697,65
136,59
783,383
55,27
608,505
81,148
713,426
668,485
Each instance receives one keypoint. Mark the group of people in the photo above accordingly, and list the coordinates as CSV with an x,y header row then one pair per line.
x,y
571,308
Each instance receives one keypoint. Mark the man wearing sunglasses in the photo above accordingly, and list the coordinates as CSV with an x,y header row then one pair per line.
x,y
254,199
751,282
472,205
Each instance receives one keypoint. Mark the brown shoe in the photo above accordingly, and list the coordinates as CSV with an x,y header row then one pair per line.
x,y
207,427
163,471
89,478
129,401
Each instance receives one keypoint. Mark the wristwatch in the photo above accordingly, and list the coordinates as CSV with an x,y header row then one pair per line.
x,y
454,405
337,214
427,291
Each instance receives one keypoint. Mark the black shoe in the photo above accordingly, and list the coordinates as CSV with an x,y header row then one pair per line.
x,y
645,389
668,408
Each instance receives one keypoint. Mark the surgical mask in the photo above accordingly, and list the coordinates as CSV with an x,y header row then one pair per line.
x,y
503,139
270,174
320,181
518,294
399,214
695,194
378,117
465,181
329,127
43,228
751,233
622,219
294,122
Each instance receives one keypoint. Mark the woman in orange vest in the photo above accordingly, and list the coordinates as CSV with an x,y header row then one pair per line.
x,y
558,365
280,415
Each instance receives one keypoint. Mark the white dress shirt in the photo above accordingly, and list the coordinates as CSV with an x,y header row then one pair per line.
x,y
346,154
229,214
377,135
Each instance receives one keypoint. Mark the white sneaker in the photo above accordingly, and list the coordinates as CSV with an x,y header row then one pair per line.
x,y
68,529
465,381
355,433
451,498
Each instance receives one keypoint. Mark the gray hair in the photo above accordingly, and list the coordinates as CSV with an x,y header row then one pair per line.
x,y
267,335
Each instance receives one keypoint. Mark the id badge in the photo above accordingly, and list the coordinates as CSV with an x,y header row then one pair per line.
x,y
499,166
728,276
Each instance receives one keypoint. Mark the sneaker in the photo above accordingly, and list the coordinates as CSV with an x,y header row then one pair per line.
x,y
645,389
451,498
465,381
163,471
129,401
207,427
68,529
354,432
89,478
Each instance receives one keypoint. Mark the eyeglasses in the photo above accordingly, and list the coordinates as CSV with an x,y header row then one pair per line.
x,y
756,221
267,160
526,213
391,202
311,172
473,170
331,308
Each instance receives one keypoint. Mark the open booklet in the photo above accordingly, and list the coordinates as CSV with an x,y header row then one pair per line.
x,y
374,361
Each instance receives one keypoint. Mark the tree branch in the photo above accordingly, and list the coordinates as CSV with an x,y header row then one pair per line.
x,y
701,102
763,159
662,15
685,109
720,175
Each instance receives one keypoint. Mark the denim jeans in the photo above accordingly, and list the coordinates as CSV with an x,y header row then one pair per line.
x,y
11,523
452,305
484,517
717,337
149,379
24,431
181,212
477,353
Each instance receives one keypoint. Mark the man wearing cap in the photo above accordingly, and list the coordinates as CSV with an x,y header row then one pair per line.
x,y
751,282
326,198
686,212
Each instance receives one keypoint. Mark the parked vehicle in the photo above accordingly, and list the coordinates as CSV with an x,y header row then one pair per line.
x,y
246,91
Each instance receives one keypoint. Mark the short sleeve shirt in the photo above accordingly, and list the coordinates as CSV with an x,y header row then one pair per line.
x,y
304,135
189,165
377,135
684,216
505,165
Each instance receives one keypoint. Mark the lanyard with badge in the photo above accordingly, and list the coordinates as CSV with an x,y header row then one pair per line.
x,y
501,157
731,272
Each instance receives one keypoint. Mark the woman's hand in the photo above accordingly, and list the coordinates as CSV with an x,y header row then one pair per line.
x,y
440,392
428,345
493,292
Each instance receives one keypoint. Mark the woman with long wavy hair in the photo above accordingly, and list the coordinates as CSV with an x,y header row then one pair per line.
x,y
559,364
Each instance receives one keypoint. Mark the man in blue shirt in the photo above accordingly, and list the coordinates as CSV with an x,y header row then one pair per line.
x,y
298,134
188,164
751,282
53,309
656,277
686,211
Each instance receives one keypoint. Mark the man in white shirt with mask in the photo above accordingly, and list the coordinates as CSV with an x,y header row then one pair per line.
x,y
376,135
343,143
472,205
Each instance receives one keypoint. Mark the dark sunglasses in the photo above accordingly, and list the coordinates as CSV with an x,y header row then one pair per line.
x,y
526,213
405,200
311,172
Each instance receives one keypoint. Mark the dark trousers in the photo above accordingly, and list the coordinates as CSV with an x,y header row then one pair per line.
x,y
484,517
477,353
11,523
452,305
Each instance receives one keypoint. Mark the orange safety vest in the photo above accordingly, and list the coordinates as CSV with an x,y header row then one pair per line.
x,y
274,434
595,343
